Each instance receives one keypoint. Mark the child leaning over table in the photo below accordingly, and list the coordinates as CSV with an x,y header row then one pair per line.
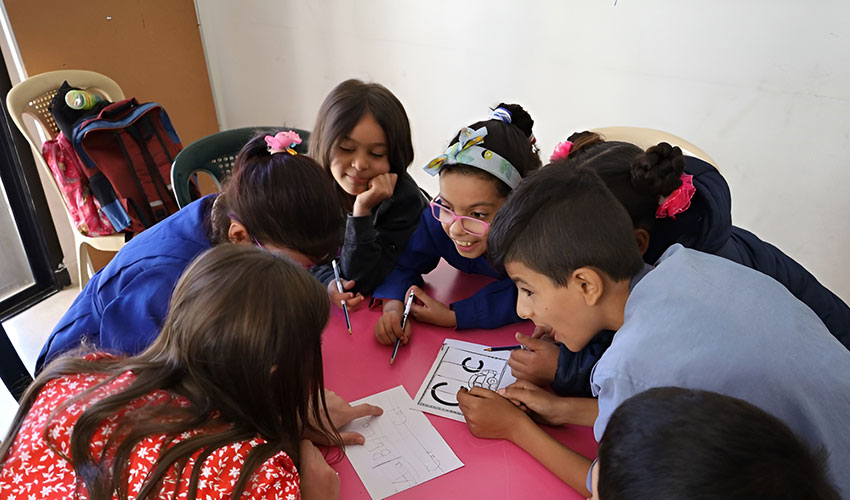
x,y
693,320
481,166
232,385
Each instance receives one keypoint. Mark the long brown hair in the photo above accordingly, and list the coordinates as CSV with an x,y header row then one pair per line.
x,y
241,343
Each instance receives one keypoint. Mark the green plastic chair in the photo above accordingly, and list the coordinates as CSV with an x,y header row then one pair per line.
x,y
215,155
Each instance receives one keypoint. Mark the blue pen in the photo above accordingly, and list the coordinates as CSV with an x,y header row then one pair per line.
x,y
407,305
339,287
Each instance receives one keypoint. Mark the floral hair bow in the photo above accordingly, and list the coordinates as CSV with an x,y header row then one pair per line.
x,y
678,201
467,152
283,142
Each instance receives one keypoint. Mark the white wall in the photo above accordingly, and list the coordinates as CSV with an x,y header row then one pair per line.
x,y
763,87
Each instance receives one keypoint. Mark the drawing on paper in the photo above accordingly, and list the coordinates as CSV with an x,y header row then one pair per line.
x,y
402,449
461,364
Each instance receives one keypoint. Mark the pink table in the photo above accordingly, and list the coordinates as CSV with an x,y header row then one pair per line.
x,y
357,366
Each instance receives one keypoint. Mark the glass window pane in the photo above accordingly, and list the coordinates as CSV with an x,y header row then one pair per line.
x,y
15,272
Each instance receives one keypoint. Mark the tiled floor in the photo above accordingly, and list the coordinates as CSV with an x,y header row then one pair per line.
x,y
28,331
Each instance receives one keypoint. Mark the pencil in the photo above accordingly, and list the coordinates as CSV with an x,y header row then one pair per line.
x,y
505,348
339,288
407,305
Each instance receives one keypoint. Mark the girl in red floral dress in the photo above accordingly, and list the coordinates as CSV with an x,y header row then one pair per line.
x,y
223,404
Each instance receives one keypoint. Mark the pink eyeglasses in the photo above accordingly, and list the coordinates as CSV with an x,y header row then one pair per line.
x,y
471,225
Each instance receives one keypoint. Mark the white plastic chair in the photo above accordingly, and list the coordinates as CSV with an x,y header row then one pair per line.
x,y
647,137
32,96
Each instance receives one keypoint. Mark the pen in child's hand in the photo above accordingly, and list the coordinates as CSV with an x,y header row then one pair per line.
x,y
407,305
339,288
505,348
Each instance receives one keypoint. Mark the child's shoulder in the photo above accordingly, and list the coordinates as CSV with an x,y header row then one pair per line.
x,y
407,190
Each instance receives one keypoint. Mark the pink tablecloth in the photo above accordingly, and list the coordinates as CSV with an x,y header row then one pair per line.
x,y
357,366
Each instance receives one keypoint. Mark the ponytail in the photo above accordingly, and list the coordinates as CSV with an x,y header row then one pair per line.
x,y
658,172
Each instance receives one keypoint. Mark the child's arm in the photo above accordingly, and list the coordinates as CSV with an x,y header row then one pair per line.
x,y
491,307
420,256
373,244
572,377
489,415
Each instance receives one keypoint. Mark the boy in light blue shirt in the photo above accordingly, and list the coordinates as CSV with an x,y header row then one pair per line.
x,y
694,320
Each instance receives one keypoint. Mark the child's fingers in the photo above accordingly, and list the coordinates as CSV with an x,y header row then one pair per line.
x,y
354,303
365,410
539,332
418,311
530,342
383,335
347,284
352,438
483,393
393,179
405,334
420,294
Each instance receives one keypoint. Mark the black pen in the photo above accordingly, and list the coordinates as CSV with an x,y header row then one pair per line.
x,y
403,323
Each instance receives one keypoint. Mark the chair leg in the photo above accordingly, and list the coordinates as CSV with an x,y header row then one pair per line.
x,y
83,263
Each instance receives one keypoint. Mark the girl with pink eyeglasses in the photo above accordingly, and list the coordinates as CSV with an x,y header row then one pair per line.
x,y
482,165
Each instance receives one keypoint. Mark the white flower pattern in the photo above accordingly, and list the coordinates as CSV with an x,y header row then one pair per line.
x,y
32,470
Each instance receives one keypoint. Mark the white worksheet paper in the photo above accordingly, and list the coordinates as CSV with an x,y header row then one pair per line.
x,y
402,448
461,364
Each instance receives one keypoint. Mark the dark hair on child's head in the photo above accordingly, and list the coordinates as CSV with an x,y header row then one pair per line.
x,y
679,444
559,220
343,108
637,178
281,199
512,141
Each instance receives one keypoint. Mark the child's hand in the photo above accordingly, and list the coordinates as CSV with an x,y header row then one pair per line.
x,y
381,187
341,413
430,310
542,332
352,301
545,407
318,480
490,415
537,363
388,327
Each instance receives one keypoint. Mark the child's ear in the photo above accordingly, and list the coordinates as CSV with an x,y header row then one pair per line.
x,y
589,284
642,237
237,233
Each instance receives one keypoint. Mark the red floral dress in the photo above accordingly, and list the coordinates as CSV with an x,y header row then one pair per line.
x,y
33,471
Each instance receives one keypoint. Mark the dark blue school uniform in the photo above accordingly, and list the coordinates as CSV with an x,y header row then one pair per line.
x,y
122,308
707,226
491,307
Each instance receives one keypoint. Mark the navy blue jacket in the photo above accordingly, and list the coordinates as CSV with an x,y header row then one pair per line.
x,y
122,308
707,226
491,307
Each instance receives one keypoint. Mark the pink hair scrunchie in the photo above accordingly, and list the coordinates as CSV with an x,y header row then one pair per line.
x,y
283,142
562,150
678,201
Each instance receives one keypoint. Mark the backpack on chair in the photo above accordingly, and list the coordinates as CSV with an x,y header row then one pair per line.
x,y
127,151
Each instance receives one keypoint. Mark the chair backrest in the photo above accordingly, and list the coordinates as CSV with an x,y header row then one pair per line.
x,y
215,155
33,95
647,137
